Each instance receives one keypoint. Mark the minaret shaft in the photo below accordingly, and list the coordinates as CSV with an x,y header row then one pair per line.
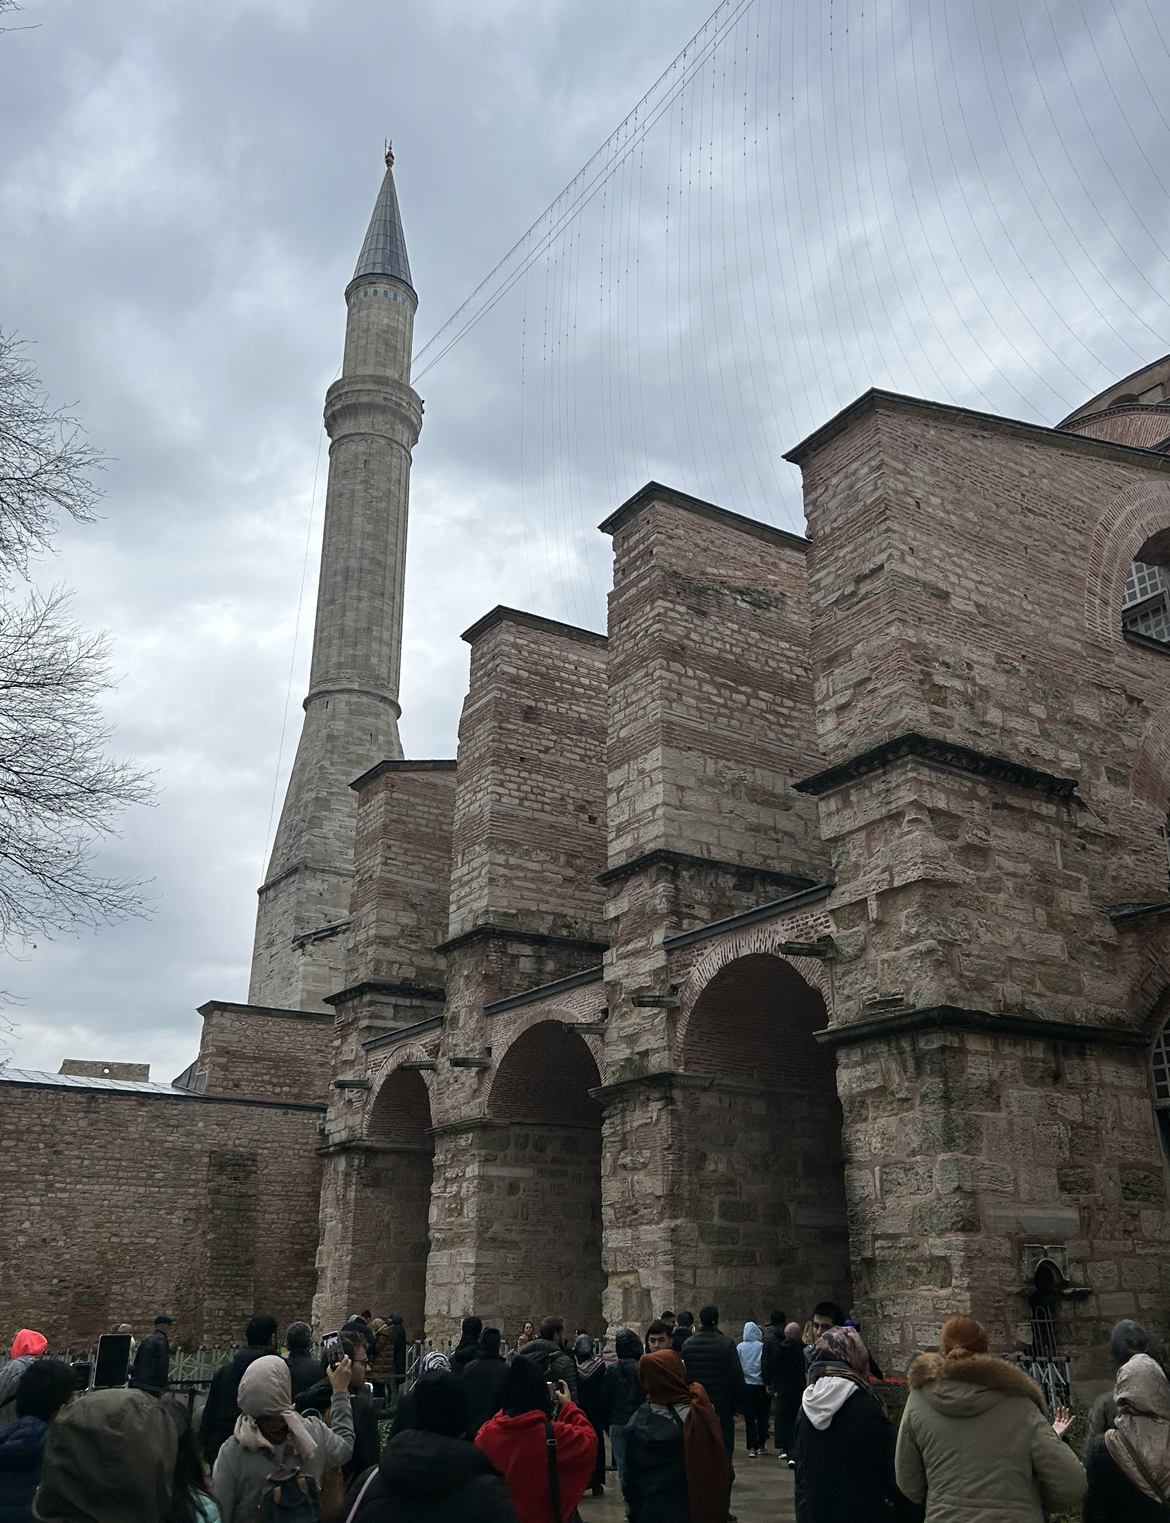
x,y
373,419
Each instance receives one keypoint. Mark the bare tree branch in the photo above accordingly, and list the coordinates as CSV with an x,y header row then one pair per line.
x,y
59,788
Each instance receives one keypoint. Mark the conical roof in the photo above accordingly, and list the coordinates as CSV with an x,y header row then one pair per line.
x,y
384,251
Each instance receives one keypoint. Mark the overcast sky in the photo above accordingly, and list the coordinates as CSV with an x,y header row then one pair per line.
x,y
938,197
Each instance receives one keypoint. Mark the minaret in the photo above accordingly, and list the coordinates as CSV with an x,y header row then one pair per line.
x,y
372,417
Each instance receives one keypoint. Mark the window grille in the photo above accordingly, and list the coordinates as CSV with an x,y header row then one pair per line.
x,y
1142,582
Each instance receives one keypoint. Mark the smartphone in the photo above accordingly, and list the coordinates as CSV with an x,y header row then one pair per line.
x,y
331,1344
552,1389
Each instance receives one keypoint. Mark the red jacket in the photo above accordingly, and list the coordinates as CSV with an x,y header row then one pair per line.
x,y
518,1448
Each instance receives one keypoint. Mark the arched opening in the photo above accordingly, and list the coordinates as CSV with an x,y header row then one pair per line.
x,y
766,1166
1145,603
393,1222
545,1204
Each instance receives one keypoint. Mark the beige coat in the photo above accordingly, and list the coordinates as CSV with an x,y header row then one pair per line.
x,y
976,1447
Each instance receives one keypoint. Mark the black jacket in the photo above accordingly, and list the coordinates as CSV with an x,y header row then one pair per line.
x,y
463,1354
482,1381
655,1469
845,1472
713,1360
427,1478
555,1356
679,1337
222,1409
623,1391
366,1443
785,1371
152,1364
303,1370
1112,1497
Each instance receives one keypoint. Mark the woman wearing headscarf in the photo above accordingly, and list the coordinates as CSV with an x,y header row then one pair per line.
x,y
675,1462
591,1398
844,1445
623,1396
531,1426
432,1363
271,1437
1128,1466
975,1442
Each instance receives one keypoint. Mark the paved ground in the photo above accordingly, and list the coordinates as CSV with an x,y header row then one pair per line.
x,y
762,1494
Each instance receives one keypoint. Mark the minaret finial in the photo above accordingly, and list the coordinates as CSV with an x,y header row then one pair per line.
x,y
389,154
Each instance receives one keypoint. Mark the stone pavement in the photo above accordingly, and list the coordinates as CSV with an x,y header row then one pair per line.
x,y
762,1494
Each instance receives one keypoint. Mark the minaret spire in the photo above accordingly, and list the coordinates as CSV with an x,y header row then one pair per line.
x,y
373,418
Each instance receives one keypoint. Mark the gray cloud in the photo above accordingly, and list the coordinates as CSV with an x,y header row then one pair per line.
x,y
939,197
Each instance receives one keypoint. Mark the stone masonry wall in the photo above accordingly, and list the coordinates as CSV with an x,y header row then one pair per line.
x,y
956,590
248,1052
122,1206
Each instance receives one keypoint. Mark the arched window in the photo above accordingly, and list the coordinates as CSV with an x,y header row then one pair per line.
x,y
1145,604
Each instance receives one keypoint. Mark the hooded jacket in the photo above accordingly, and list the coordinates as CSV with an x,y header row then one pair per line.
x,y
237,1482
22,1448
429,1478
751,1354
221,1407
109,1458
517,1447
26,1346
844,1453
974,1443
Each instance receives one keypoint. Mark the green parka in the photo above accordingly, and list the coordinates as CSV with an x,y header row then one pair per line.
x,y
976,1447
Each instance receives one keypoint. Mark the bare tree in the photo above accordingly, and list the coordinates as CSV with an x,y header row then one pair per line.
x,y
59,788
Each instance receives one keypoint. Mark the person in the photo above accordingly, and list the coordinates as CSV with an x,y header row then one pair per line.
x,y
428,1473
43,1389
974,1441
671,1321
430,1364
467,1348
399,1353
624,1394
319,1398
110,1455
1128,1466
303,1369
221,1409
1127,1339
758,1399
382,1364
532,1432
26,1347
483,1380
711,1359
658,1337
591,1386
271,1437
675,1460
359,1323
191,1502
526,1334
151,1370
844,1444
784,1371
550,1351
684,1329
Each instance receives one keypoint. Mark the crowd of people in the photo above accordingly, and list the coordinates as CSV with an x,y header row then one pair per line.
x,y
485,1436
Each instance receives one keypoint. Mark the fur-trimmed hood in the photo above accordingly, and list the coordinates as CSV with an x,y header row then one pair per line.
x,y
971,1385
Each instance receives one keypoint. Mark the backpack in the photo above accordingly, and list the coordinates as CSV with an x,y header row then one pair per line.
x,y
290,1497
